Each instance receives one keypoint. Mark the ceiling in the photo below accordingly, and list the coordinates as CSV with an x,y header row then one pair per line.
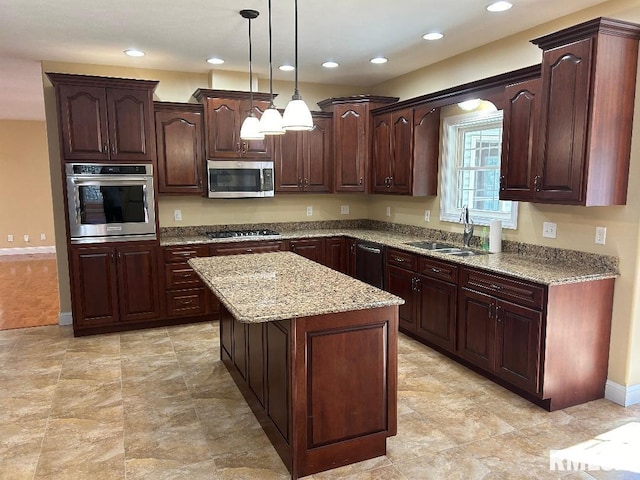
x,y
180,36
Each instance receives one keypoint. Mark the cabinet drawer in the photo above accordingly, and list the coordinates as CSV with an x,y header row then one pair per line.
x,y
516,291
182,254
239,248
180,275
402,259
434,268
187,303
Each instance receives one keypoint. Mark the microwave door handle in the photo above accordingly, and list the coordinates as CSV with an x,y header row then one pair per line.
x,y
262,179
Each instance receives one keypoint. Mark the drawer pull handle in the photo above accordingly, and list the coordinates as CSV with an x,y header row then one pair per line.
x,y
400,260
436,270
249,250
495,287
183,254
186,302
185,275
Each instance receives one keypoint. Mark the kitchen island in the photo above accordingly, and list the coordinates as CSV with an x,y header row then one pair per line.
x,y
313,351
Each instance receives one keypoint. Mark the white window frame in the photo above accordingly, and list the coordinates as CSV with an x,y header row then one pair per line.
x,y
452,147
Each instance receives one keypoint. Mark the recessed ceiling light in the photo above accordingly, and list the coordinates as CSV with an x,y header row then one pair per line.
x,y
215,61
378,60
287,68
499,6
132,52
432,36
330,64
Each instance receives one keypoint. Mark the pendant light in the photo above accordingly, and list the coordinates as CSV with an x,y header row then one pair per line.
x,y
250,126
271,120
297,115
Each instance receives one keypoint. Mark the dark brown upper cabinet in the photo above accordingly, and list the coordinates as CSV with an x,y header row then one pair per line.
x,y
105,119
224,111
303,160
179,131
584,139
519,126
351,139
405,151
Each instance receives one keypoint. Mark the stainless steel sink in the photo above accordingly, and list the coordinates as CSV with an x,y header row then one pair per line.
x,y
465,253
432,245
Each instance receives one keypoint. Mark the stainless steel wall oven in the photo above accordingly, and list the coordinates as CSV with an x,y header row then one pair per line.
x,y
110,202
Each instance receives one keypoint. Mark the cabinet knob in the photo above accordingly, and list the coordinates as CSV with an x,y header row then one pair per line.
x,y
360,181
306,182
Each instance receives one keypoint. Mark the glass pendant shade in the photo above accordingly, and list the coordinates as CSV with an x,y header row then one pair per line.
x,y
297,115
250,129
271,122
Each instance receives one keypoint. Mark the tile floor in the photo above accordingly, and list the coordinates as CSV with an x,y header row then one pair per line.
x,y
158,404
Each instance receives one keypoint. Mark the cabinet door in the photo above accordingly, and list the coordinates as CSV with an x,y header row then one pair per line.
x,y
436,311
426,150
350,245
351,153
336,254
94,286
279,376
261,149
138,282
131,130
180,152
519,126
317,156
83,121
381,154
402,152
561,147
240,347
222,136
518,345
312,248
401,282
256,365
476,328
288,162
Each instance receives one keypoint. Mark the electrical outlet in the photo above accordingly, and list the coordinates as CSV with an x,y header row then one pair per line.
x,y
26,238
427,215
549,230
388,211
43,236
309,211
344,209
9,238
601,235
177,215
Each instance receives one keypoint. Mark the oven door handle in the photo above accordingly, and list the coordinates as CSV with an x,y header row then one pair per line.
x,y
98,179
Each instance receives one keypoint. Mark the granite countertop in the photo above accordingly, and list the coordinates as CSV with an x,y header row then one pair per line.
x,y
567,266
282,285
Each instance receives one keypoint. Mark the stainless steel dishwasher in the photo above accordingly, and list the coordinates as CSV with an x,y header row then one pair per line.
x,y
370,263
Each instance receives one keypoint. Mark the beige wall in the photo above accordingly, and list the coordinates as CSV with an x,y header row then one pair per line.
x,y
576,225
25,187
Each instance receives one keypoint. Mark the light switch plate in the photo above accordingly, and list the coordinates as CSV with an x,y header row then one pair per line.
x,y
427,215
601,235
344,209
177,215
309,211
549,230
388,211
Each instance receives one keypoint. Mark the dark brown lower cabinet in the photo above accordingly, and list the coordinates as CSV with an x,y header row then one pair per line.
x,y
114,284
335,255
311,248
319,402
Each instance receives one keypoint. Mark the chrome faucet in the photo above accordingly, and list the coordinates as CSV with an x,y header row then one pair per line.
x,y
467,232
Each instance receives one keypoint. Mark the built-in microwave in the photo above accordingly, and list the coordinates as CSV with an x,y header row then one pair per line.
x,y
239,179
110,202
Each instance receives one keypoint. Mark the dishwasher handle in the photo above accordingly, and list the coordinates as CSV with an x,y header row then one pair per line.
x,y
366,248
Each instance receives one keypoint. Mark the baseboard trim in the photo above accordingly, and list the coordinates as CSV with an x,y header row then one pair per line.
x,y
27,250
625,396
65,318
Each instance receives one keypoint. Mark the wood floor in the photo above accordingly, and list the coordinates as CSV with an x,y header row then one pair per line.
x,y
28,291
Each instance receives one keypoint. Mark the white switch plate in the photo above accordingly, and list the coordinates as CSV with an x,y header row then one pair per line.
x,y
9,238
427,215
43,236
26,238
309,211
177,215
549,230
601,235
388,211
344,209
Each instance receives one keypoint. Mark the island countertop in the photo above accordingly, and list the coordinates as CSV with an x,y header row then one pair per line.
x,y
277,286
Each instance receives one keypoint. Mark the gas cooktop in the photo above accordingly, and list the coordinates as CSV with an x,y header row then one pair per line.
x,y
240,233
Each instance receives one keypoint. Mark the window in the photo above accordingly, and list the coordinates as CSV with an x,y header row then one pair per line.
x,y
472,143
